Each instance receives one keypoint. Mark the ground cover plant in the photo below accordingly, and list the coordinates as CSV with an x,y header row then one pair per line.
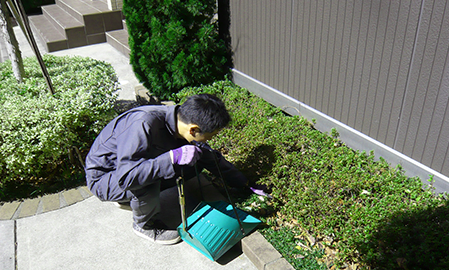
x,y
332,207
44,137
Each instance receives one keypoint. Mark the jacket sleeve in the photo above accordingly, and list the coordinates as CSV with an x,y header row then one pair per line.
x,y
230,173
134,167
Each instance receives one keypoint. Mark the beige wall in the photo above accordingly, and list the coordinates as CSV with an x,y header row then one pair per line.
x,y
378,66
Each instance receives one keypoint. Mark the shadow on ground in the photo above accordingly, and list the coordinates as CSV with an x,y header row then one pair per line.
x,y
65,176
415,239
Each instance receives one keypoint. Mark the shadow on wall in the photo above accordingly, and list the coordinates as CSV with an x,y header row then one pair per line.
x,y
415,239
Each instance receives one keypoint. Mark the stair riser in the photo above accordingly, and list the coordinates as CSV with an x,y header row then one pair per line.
x,y
76,37
113,20
96,38
104,22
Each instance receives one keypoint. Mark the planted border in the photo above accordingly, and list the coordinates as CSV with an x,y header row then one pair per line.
x,y
358,212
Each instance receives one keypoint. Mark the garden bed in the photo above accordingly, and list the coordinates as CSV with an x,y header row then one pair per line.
x,y
333,207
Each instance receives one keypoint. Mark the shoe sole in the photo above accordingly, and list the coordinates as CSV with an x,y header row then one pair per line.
x,y
162,242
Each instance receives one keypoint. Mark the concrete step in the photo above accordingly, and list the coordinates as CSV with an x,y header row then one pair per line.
x,y
95,15
79,8
54,40
67,25
76,23
60,18
119,40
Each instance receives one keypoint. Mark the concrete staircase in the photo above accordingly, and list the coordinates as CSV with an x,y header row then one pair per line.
x,y
75,23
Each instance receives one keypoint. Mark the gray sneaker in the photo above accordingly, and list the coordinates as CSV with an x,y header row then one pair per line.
x,y
157,232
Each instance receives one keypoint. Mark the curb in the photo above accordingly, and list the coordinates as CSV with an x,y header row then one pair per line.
x,y
30,207
262,254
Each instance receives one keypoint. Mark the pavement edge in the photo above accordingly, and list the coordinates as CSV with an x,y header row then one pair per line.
x,y
30,207
262,254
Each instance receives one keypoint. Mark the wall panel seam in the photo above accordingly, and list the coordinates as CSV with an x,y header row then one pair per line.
x,y
428,87
398,128
290,69
388,72
371,73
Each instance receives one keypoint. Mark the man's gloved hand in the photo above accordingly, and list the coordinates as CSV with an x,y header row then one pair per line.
x,y
186,155
260,190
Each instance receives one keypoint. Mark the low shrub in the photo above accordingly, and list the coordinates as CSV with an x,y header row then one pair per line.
x,y
38,129
329,200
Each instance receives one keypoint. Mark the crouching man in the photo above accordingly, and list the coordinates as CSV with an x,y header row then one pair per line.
x,y
143,151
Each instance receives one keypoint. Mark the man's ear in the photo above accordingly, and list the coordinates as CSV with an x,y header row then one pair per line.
x,y
194,129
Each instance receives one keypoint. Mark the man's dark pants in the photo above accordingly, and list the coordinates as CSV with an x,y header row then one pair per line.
x,y
145,201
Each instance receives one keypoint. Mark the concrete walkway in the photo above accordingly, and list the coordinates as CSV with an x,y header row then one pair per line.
x,y
91,234
74,230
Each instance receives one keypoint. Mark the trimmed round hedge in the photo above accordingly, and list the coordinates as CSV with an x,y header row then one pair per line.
x,y
37,129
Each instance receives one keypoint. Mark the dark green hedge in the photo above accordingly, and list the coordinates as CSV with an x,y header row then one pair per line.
x,y
34,6
174,44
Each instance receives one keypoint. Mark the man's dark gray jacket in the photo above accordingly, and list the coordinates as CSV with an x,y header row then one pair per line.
x,y
133,151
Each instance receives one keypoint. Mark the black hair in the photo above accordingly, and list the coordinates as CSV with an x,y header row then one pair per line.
x,y
205,110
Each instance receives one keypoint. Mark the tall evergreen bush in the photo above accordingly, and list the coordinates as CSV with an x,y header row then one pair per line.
x,y
174,43
34,6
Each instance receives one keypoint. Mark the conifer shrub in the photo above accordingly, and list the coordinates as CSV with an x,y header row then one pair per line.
x,y
38,129
333,207
34,6
174,44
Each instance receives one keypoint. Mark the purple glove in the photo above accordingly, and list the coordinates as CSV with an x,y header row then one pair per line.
x,y
186,155
260,192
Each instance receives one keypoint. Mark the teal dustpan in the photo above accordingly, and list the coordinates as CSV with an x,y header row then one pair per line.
x,y
213,228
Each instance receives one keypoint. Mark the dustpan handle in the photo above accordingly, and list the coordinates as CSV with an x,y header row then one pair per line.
x,y
182,202
229,197
199,182
206,147
227,193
